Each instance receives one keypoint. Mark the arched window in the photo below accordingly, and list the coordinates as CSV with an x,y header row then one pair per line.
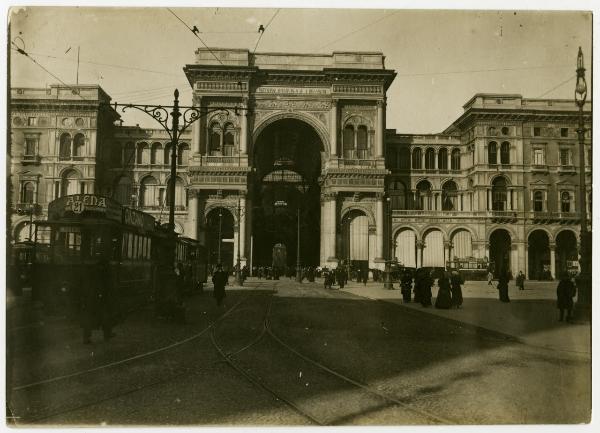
x,y
449,196
443,159
229,140
70,183
155,153
538,201
142,154
214,142
493,153
505,153
65,146
424,197
179,194
416,159
78,145
456,159
430,159
129,155
348,142
123,190
499,194
397,195
404,158
362,143
565,201
184,154
28,192
167,154
149,192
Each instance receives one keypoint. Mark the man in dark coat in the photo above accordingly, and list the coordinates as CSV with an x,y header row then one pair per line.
x,y
341,276
406,286
456,282
503,279
97,303
564,297
418,289
219,280
443,299
426,284
521,281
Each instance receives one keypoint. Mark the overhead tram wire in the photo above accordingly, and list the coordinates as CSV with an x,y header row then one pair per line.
x,y
265,29
357,30
571,76
195,34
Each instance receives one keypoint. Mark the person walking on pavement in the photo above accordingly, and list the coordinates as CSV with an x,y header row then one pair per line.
x,y
406,286
219,280
565,291
490,278
444,298
97,303
520,281
426,283
503,279
456,282
341,276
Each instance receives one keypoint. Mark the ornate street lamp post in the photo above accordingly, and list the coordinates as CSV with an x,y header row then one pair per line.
x,y
584,286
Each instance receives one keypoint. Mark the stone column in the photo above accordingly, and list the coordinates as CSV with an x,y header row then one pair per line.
x,y
332,226
244,128
379,228
553,260
242,234
447,252
196,130
449,166
322,239
420,246
192,229
380,129
526,245
334,128
489,197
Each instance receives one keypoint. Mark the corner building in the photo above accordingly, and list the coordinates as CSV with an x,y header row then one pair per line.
x,y
295,145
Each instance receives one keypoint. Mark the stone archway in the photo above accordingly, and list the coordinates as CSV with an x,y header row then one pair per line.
x,y
286,192
500,244
220,227
538,256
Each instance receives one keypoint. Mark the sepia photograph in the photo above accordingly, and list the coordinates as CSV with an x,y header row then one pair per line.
x,y
298,215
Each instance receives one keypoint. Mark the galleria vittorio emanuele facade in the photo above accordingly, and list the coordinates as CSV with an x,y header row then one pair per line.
x,y
304,147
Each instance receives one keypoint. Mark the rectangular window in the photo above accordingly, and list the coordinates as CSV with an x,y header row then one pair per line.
x,y
537,131
31,121
564,132
73,241
565,157
30,147
538,157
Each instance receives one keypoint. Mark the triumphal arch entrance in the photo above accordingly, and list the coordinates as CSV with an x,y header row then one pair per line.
x,y
296,159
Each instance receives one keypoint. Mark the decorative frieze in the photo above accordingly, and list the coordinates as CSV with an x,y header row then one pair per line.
x,y
361,89
293,105
220,86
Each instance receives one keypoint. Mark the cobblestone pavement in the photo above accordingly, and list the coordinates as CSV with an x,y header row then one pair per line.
x,y
283,353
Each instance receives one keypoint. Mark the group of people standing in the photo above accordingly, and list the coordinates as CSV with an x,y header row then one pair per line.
x,y
449,293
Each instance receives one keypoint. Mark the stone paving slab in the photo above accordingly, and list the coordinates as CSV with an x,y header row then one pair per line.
x,y
531,316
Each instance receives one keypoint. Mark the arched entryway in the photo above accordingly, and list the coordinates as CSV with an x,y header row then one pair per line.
x,y
433,249
406,248
355,239
566,252
286,192
538,256
500,244
461,245
219,237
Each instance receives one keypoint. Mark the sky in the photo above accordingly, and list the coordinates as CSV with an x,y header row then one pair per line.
x,y
442,57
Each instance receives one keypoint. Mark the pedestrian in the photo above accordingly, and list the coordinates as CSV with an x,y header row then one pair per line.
x,y
503,279
427,282
490,278
565,291
444,298
520,280
456,282
406,286
418,289
97,303
219,280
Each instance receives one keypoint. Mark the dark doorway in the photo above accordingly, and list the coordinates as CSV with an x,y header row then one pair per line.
x,y
566,253
219,237
500,251
539,256
286,193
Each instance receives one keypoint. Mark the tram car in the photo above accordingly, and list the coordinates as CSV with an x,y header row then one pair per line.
x,y
20,268
84,231
192,259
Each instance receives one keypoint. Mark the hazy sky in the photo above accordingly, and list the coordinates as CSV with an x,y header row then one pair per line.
x,y
442,57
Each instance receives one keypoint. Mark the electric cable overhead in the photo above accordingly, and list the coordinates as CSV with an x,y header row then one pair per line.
x,y
558,85
470,71
195,33
262,30
357,30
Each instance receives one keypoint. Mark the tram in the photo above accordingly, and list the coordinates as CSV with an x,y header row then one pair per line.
x,y
84,230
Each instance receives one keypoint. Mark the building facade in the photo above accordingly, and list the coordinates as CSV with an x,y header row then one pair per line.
x,y
294,152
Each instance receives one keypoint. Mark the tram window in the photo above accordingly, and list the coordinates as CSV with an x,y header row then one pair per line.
x,y
149,256
124,245
140,252
73,241
96,246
